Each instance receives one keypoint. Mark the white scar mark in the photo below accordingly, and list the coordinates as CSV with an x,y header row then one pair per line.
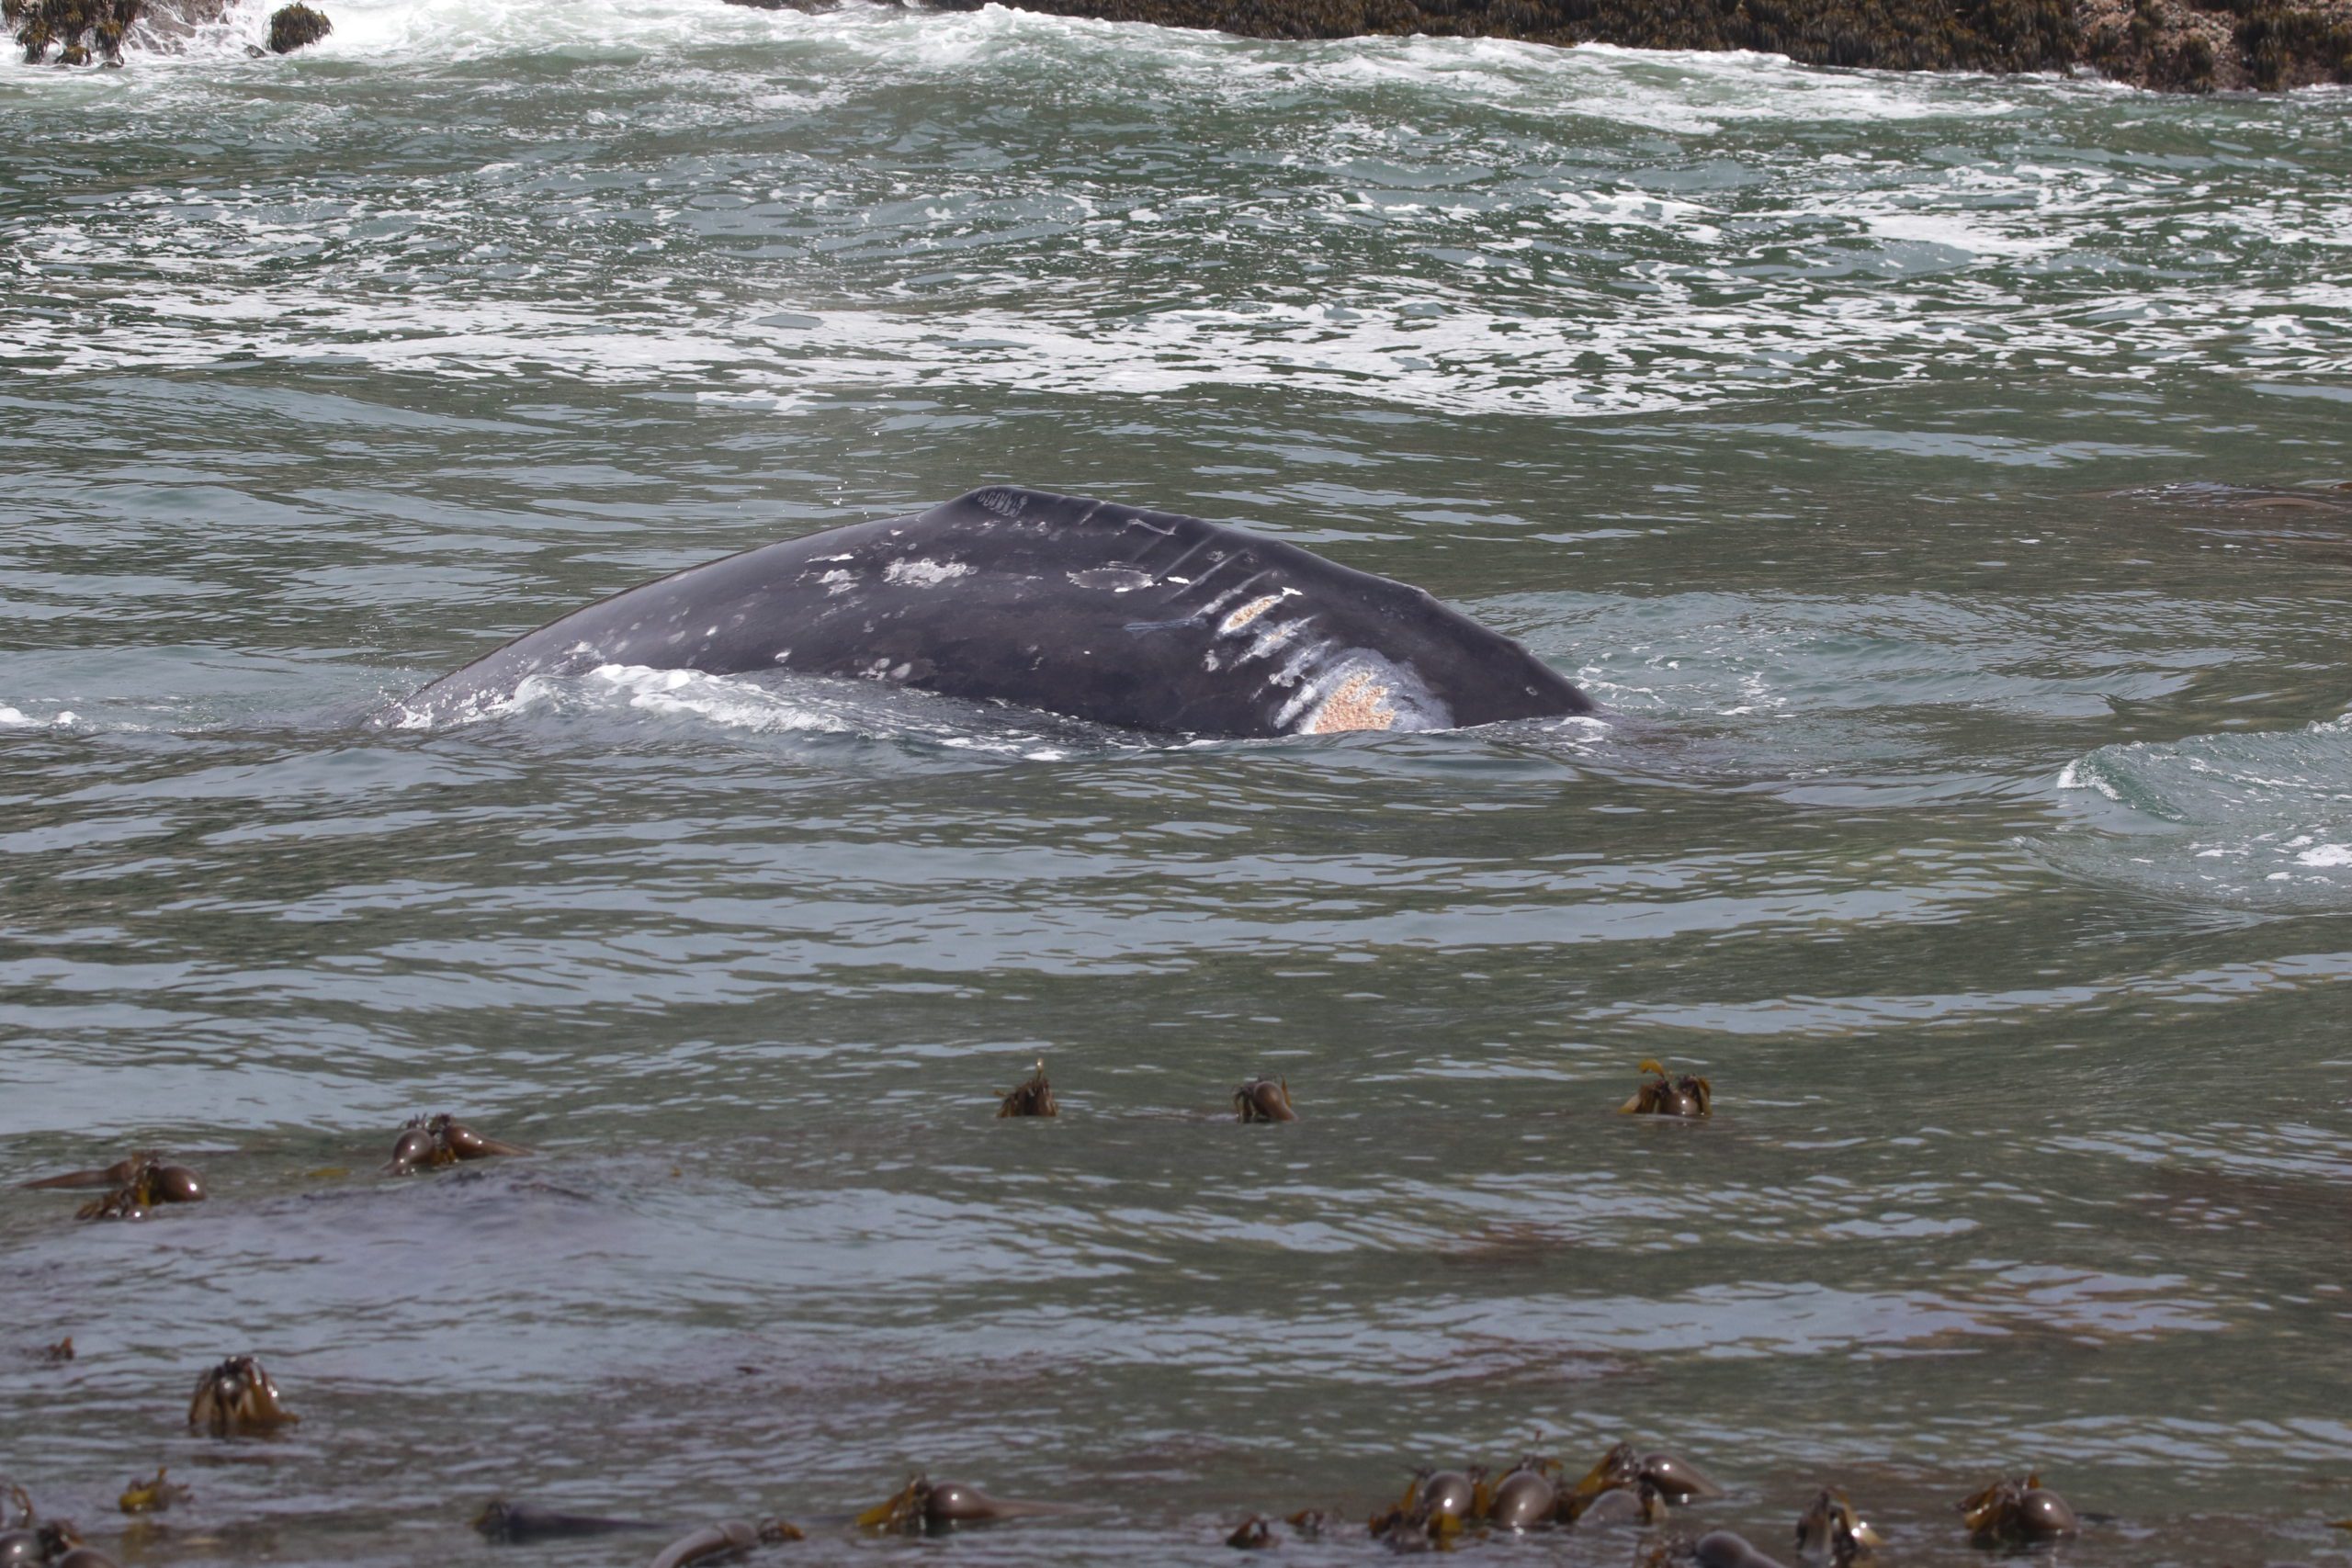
x,y
912,573
1117,579
1272,637
1251,611
839,581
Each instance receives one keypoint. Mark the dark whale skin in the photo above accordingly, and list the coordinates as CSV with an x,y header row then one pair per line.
x,y
1143,620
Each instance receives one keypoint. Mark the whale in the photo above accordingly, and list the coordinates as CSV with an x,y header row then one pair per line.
x,y
1113,615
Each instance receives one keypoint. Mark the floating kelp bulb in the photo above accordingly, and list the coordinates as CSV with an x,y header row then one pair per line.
x,y
1668,1095
237,1397
1676,1479
1831,1529
2011,1512
1522,1500
152,1497
1442,1495
433,1143
1034,1098
1264,1100
925,1504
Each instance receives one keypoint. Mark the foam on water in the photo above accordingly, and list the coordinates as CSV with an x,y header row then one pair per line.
x,y
14,719
1456,226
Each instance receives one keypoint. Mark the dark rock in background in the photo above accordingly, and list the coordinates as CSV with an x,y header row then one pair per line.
x,y
295,27
2193,45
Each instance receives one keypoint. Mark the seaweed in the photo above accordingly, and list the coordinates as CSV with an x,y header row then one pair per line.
x,y
83,31
297,27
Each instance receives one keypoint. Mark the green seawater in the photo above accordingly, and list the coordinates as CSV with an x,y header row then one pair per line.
x,y
1940,481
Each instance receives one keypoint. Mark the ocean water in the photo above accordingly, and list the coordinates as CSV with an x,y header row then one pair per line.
x,y
1942,482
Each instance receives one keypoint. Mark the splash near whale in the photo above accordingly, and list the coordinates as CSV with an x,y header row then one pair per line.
x,y
1142,620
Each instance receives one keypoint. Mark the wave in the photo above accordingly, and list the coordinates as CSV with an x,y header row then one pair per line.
x,y
2252,819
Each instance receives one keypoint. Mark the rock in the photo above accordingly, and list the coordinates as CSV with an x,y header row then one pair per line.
x,y
295,27
171,24
83,31
2198,45
2178,45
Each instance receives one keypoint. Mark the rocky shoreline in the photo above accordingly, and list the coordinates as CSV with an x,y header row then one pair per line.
x,y
2196,46
95,32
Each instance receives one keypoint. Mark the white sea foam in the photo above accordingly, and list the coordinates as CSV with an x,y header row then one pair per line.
x,y
1415,227
2078,774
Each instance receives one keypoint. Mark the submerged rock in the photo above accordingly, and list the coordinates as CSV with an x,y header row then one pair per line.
x,y
2194,45
297,27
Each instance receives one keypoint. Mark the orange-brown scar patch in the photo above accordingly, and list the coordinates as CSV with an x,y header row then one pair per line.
x,y
1249,613
1359,703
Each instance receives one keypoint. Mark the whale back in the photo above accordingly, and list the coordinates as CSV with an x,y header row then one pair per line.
x,y
1143,620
